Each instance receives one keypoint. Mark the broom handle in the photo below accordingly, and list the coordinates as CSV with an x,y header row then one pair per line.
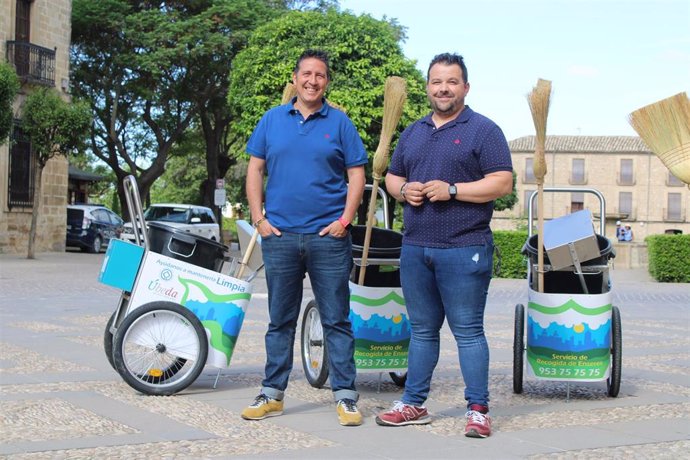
x,y
248,253
540,237
367,234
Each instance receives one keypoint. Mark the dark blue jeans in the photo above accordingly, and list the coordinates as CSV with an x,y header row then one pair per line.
x,y
328,261
447,284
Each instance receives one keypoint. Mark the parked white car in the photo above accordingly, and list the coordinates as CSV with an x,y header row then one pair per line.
x,y
197,220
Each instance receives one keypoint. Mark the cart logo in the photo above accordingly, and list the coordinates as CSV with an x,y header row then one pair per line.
x,y
569,341
380,326
166,274
166,291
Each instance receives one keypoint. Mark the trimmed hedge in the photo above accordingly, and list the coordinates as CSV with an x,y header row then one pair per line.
x,y
512,263
669,258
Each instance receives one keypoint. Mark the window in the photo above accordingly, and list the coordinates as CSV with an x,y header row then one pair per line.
x,y
577,174
674,210
577,201
207,217
626,173
525,204
21,170
625,203
22,34
529,178
673,181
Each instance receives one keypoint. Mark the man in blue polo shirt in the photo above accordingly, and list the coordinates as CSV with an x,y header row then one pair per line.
x,y
447,169
305,148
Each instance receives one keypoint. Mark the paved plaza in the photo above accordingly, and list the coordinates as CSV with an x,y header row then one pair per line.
x,y
60,398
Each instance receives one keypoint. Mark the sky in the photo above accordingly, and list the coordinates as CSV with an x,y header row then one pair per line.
x,y
605,58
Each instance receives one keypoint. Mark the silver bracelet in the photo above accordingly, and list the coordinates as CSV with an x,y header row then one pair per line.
x,y
402,191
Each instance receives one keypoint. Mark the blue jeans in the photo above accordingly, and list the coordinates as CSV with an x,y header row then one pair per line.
x,y
447,284
328,261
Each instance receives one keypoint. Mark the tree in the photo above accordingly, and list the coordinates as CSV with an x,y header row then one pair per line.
x,y
363,53
139,106
55,128
507,201
154,70
9,85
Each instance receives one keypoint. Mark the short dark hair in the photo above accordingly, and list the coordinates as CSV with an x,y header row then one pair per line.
x,y
449,59
315,54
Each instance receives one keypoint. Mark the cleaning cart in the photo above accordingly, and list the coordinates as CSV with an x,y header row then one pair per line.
x,y
178,310
377,310
571,331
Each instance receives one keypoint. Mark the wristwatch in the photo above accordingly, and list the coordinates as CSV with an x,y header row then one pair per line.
x,y
452,191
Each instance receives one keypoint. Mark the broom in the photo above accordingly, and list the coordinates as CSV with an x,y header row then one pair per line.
x,y
665,127
394,96
539,106
288,93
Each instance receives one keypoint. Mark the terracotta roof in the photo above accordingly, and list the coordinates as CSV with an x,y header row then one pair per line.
x,y
607,144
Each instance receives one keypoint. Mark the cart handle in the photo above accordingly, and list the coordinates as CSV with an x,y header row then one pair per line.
x,y
602,206
136,214
181,238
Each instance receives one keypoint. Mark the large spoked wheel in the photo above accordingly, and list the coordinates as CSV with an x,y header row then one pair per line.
x,y
314,352
613,383
518,348
399,378
108,340
160,348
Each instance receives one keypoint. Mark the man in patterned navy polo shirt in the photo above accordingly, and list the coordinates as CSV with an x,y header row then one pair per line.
x,y
447,169
306,147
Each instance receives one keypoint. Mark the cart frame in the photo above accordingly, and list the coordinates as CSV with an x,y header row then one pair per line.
x,y
520,344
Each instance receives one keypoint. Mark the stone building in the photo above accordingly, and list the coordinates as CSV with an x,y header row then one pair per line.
x,y
638,189
35,36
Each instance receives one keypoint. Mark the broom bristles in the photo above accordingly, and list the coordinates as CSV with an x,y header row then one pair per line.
x,y
539,100
665,127
664,124
394,96
288,93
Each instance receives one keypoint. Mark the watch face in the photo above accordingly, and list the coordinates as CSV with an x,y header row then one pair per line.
x,y
452,190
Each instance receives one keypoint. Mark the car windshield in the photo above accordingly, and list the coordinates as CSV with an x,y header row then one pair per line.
x,y
167,214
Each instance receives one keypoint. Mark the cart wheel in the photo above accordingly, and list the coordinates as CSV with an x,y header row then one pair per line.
x,y
613,383
160,348
518,348
314,352
108,340
399,378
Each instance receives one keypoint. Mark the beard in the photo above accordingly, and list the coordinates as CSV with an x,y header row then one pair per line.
x,y
446,108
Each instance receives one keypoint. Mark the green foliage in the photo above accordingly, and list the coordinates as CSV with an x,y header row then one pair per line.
x,y
508,201
55,126
363,53
668,258
9,85
509,245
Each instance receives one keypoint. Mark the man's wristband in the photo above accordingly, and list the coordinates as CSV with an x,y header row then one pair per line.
x,y
346,225
259,222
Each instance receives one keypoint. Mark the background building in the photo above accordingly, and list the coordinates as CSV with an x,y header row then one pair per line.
x,y
35,39
638,189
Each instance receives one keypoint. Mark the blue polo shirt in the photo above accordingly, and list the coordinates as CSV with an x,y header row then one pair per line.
x,y
306,164
463,150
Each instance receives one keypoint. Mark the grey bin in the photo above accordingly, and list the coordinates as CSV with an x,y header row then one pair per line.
x,y
575,229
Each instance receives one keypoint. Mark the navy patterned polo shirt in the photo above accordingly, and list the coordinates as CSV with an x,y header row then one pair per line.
x,y
463,150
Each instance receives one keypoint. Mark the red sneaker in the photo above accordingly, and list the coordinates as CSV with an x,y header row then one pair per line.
x,y
478,422
404,414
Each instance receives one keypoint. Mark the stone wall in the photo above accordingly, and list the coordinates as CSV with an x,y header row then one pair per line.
x,y
50,28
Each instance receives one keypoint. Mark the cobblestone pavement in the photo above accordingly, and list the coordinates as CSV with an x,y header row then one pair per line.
x,y
60,399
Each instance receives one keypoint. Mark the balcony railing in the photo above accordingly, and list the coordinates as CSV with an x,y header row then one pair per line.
x,y
33,63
